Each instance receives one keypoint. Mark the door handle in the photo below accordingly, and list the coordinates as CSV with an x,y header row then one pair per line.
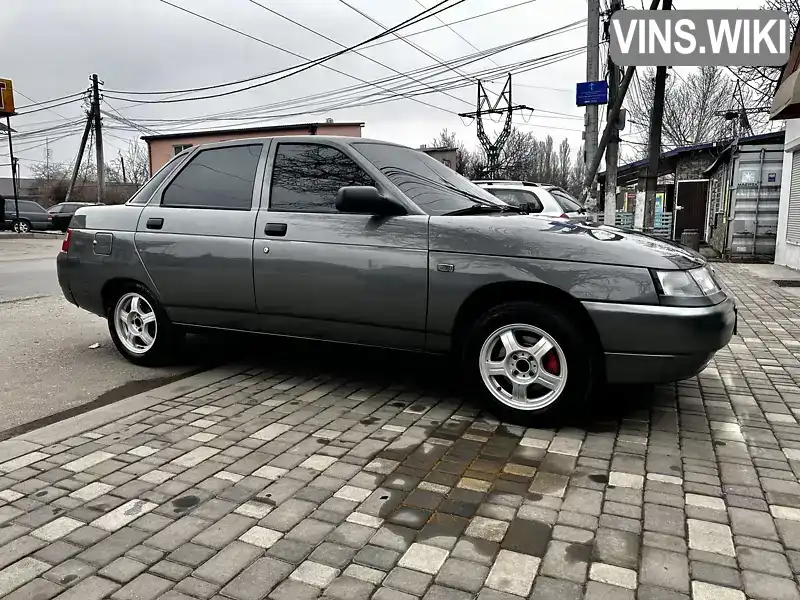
x,y
275,229
155,223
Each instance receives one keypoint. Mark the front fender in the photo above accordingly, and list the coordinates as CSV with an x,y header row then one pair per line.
x,y
454,278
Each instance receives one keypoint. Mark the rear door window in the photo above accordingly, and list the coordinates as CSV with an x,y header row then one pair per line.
x,y
217,178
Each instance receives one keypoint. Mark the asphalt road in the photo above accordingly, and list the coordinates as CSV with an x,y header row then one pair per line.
x,y
48,365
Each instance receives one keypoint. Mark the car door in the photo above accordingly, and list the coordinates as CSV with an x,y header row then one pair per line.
x,y
195,237
327,275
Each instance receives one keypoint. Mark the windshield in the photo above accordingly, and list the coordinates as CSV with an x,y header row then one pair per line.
x,y
433,187
565,201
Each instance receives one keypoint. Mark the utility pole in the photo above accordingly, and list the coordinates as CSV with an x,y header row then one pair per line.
x,y
616,109
98,135
612,154
13,168
122,162
77,166
486,107
592,74
654,145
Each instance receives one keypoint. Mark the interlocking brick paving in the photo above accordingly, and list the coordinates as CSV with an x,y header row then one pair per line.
x,y
287,484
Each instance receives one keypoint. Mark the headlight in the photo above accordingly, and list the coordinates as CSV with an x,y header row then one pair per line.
x,y
697,284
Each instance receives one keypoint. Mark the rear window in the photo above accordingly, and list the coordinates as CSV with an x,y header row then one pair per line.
x,y
565,201
522,198
29,206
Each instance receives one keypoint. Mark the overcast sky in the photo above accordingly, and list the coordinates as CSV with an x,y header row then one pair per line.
x,y
52,46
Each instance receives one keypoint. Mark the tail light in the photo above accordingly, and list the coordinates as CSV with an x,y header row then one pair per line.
x,y
564,216
49,217
65,243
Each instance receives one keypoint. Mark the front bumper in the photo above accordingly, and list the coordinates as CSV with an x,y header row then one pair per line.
x,y
657,344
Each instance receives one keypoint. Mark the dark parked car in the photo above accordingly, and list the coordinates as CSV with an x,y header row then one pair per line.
x,y
62,213
364,242
31,216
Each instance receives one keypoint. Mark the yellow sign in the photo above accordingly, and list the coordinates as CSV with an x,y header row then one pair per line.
x,y
6,97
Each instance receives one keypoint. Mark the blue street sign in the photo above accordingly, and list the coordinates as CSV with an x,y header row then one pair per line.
x,y
591,92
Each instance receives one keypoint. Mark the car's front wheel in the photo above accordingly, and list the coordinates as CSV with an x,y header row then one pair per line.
x,y
530,362
140,328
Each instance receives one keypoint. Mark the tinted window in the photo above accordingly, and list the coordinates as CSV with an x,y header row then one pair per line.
x,y
306,177
433,187
567,202
220,178
526,200
146,191
29,206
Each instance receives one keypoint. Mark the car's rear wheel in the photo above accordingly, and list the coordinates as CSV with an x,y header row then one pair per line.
x,y
140,328
21,226
530,362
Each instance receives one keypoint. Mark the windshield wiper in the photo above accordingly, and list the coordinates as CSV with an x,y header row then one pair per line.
x,y
477,209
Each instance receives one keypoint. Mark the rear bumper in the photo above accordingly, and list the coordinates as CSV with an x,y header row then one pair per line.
x,y
63,267
657,344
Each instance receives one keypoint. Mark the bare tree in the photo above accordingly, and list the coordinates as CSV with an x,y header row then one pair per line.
x,y
447,139
525,158
690,107
762,82
131,166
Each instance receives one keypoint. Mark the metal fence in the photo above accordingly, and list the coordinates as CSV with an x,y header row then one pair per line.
x,y
663,224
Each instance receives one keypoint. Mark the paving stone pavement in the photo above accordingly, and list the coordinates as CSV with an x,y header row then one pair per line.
x,y
277,484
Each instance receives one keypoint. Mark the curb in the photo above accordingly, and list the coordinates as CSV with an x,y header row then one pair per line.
x,y
113,413
27,236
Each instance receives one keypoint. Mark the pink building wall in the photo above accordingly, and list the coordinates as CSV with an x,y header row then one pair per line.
x,y
161,149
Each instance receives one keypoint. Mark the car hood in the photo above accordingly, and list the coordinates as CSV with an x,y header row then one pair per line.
x,y
513,235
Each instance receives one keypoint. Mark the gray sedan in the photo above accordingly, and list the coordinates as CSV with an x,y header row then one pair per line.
x,y
365,242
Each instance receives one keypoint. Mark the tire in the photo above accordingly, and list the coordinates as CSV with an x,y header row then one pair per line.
x,y
145,336
553,364
21,226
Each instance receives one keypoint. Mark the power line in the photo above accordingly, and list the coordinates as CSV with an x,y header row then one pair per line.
x,y
309,65
363,100
325,37
416,47
432,71
35,110
35,103
296,69
450,27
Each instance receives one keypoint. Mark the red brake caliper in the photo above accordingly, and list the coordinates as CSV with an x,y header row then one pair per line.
x,y
551,364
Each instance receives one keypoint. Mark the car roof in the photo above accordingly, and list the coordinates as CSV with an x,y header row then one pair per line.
x,y
512,185
504,182
335,139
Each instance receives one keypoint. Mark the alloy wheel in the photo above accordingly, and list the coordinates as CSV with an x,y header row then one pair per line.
x,y
21,227
135,323
523,367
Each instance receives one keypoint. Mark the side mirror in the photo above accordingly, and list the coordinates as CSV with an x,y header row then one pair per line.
x,y
366,200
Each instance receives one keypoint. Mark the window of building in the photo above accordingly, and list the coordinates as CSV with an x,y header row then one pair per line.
x,y
306,177
178,148
219,178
